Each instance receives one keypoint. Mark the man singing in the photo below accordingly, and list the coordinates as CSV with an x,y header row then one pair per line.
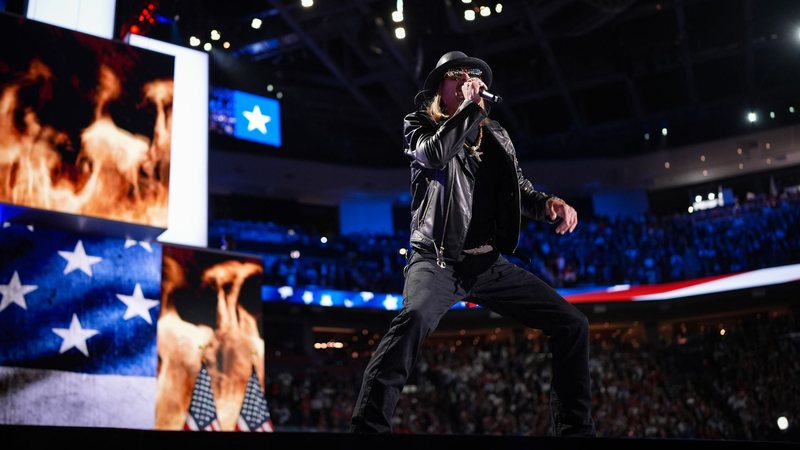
x,y
468,195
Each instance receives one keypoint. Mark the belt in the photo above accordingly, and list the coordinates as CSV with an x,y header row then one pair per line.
x,y
483,249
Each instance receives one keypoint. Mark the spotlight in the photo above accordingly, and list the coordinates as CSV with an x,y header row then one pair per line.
x,y
256,23
711,196
307,3
270,88
207,46
400,33
498,8
226,44
215,35
698,198
664,131
666,165
397,16
469,15
783,423
752,117
279,95
485,11
194,41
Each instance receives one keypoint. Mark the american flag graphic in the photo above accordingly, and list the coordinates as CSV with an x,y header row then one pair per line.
x,y
254,415
78,318
202,409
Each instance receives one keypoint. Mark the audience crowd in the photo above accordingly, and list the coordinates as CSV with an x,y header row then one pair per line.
x,y
700,384
707,383
758,233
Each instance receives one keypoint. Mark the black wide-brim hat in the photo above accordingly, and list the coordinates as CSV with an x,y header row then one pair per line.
x,y
453,60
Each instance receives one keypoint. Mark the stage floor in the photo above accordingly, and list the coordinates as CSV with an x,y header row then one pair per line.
x,y
40,437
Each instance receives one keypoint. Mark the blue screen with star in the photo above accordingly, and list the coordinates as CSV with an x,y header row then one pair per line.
x,y
78,303
245,116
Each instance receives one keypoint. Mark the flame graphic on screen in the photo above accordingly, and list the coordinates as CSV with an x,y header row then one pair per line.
x,y
116,174
230,350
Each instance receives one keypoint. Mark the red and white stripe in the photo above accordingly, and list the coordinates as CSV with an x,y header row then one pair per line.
x,y
690,288
191,425
266,427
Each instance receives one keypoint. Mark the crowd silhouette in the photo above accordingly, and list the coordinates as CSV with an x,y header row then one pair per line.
x,y
758,233
703,383
708,382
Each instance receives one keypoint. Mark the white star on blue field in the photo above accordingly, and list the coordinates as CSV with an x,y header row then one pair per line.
x,y
78,303
258,119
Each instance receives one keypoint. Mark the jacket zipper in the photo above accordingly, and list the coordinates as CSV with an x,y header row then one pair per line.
x,y
519,198
440,251
427,202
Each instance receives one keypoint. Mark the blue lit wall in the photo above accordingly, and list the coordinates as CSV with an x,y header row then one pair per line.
x,y
370,216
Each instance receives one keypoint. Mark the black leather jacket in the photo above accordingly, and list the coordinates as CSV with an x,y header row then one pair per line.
x,y
442,184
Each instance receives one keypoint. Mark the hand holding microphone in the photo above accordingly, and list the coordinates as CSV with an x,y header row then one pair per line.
x,y
494,98
475,90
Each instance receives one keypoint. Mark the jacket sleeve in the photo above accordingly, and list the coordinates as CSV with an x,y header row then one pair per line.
x,y
532,202
434,147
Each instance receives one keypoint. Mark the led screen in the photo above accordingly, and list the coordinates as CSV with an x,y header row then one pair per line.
x,y
85,124
245,116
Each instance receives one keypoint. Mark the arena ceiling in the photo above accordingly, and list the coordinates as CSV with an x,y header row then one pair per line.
x,y
580,78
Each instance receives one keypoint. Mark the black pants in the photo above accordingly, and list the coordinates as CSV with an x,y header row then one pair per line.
x,y
493,282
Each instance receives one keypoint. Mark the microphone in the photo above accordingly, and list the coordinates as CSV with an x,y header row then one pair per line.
x,y
491,97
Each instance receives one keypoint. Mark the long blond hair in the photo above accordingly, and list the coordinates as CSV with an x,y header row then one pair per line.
x,y
435,109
